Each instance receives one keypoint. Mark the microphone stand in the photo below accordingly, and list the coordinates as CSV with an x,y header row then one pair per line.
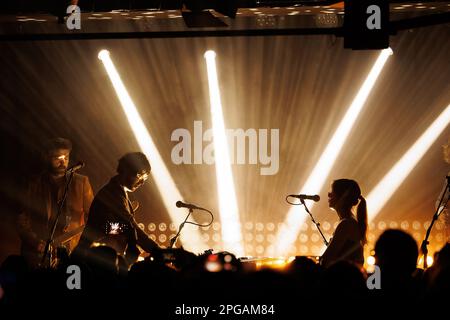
x,y
174,239
425,242
55,223
314,221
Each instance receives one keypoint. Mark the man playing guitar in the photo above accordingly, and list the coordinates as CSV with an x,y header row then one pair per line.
x,y
111,217
43,197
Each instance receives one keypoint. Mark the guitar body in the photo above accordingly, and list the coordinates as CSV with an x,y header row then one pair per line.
x,y
58,249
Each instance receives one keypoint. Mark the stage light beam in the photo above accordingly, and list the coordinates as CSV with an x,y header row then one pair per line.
x,y
169,192
228,208
288,233
384,190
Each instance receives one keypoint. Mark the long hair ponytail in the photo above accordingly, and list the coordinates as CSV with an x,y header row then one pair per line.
x,y
361,217
349,193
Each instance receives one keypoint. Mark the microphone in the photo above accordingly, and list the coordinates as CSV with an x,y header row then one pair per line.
x,y
75,167
314,198
180,204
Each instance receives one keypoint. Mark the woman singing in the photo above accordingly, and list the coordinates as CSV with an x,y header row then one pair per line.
x,y
350,235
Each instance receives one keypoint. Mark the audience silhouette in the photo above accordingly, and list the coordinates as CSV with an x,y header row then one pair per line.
x,y
180,277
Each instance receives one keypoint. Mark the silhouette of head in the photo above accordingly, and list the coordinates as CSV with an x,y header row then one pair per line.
x,y
104,259
343,279
344,194
443,256
57,155
14,263
396,251
133,170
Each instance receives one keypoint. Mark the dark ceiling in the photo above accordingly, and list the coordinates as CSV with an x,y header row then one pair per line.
x,y
252,18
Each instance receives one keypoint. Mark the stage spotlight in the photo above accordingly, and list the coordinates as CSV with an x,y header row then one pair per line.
x,y
384,190
167,187
229,215
430,261
295,217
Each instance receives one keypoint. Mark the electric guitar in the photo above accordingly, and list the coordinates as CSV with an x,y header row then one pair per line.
x,y
53,256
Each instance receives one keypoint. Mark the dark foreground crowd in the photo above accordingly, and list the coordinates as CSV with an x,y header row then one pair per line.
x,y
174,280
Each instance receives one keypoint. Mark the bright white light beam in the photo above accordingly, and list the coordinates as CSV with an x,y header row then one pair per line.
x,y
317,178
228,208
166,186
384,190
